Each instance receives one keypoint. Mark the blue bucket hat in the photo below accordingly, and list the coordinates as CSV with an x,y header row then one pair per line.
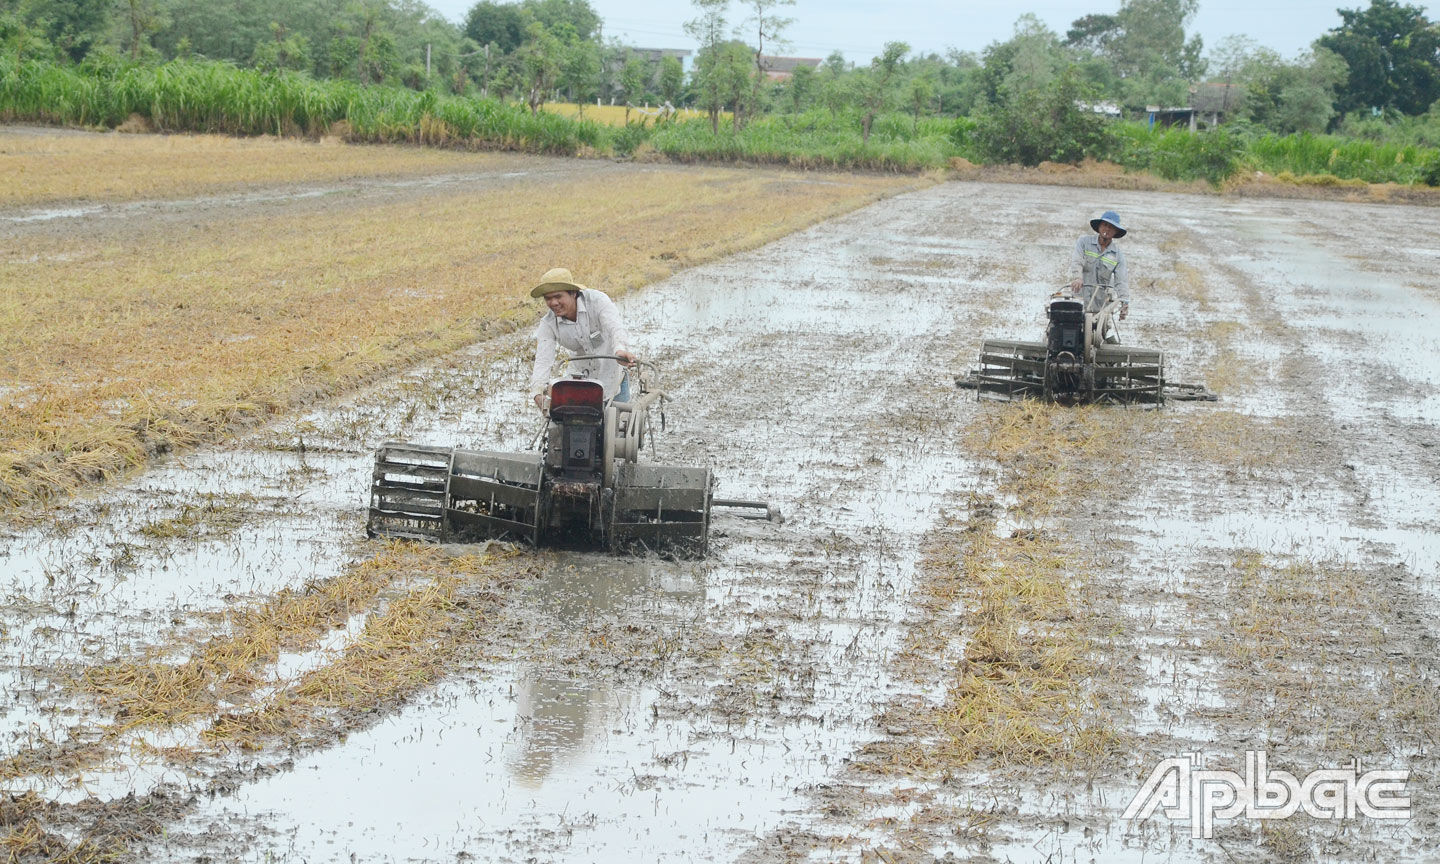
x,y
1108,216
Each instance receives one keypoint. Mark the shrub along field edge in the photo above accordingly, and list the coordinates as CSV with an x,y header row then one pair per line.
x,y
207,96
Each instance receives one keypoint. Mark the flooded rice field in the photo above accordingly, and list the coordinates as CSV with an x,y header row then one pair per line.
x,y
977,631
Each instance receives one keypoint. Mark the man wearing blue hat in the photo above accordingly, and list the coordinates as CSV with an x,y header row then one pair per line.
x,y
1097,265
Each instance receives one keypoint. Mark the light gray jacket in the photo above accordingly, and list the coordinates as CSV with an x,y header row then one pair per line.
x,y
1094,266
597,329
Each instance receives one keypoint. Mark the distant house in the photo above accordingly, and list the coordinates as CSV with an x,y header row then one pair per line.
x,y
1167,117
652,57
1212,102
782,68
1215,101
1104,109
655,55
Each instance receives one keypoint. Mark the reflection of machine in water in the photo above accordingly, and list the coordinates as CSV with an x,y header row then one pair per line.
x,y
553,717
559,717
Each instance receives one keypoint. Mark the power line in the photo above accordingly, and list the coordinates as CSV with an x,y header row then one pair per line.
x,y
803,46
646,27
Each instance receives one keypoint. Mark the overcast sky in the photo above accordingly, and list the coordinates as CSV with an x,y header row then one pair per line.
x,y
860,28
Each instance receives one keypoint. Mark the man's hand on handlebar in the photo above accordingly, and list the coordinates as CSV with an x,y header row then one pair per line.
x,y
627,359
1075,284
540,401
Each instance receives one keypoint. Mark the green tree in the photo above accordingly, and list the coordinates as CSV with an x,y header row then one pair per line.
x,y
800,87
672,79
1152,43
768,26
1036,59
735,79
499,24
708,29
875,86
1045,125
1307,100
922,90
1393,54
283,50
484,65
1027,61
227,31
540,60
632,81
1283,96
836,85
575,17
142,19
1141,53
376,58
20,40
72,26
961,87
1093,34
580,71
414,26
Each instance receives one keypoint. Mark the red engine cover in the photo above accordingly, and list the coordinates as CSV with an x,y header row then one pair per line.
x,y
577,393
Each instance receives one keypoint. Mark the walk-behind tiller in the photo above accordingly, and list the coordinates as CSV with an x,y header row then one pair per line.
x,y
585,487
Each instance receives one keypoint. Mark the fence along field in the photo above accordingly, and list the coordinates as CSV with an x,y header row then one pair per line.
x,y
134,335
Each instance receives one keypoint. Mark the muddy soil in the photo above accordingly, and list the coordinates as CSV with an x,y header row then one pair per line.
x,y
737,708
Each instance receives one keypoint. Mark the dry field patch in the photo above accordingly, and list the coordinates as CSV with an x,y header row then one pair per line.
x,y
118,167
129,339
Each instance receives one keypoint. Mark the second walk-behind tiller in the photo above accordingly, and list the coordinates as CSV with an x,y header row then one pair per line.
x,y
1075,365
585,486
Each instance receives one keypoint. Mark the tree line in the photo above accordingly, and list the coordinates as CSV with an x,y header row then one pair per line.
x,y
1038,95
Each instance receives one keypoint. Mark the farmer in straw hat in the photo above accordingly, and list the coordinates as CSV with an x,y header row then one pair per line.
x,y
582,321
1097,264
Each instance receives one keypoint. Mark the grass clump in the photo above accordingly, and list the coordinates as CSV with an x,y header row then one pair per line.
x,y
1314,642
399,651
815,140
230,667
30,841
218,516
1024,689
207,96
1308,158
228,685
1017,607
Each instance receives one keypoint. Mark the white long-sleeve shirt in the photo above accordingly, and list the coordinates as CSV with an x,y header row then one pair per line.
x,y
1095,266
597,329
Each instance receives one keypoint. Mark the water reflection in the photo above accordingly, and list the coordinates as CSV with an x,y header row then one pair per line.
x,y
560,718
555,715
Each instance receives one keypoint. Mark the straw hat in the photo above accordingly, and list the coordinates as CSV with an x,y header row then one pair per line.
x,y
1108,216
556,279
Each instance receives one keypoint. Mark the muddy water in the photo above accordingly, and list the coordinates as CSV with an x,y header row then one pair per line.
x,y
623,709
822,349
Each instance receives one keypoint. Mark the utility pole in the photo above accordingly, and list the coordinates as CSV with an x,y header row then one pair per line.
x,y
427,59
